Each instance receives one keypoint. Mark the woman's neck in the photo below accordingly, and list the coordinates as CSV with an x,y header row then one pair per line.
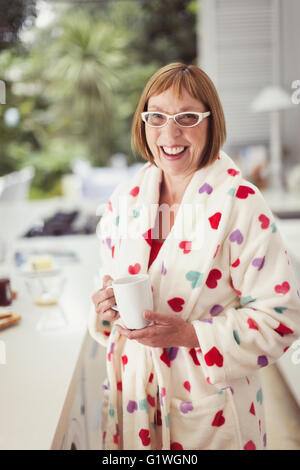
x,y
173,188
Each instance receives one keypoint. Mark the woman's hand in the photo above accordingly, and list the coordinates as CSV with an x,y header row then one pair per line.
x,y
104,299
166,331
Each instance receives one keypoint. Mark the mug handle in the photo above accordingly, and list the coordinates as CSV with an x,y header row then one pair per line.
x,y
114,307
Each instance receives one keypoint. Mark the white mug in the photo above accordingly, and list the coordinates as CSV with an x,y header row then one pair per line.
x,y
133,295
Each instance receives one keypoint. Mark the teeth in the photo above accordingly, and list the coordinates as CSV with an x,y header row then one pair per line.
x,y
173,150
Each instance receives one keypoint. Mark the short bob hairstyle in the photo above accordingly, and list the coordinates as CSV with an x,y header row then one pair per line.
x,y
197,83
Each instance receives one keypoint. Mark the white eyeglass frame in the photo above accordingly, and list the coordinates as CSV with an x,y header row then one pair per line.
x,y
201,116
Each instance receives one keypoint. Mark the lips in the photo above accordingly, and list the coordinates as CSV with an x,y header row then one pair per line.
x,y
174,152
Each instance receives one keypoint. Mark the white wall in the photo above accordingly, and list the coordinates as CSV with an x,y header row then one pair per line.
x,y
247,36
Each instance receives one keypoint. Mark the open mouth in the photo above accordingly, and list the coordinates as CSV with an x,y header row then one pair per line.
x,y
173,152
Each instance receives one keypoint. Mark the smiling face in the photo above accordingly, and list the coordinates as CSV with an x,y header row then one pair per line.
x,y
177,150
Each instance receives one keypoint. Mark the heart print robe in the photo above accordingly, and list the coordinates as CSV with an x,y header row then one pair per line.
x,y
223,268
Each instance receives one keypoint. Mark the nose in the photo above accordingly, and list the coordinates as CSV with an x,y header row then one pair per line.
x,y
172,128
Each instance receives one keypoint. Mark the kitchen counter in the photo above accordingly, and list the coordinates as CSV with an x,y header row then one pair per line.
x,y
43,364
51,383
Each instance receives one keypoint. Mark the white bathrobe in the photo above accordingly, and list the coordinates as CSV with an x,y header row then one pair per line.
x,y
224,269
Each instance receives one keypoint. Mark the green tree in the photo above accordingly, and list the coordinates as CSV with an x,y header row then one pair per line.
x,y
17,140
87,60
163,31
77,84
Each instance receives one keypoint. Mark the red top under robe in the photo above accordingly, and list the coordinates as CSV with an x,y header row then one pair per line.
x,y
155,247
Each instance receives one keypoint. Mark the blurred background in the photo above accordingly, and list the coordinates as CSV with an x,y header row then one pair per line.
x,y
74,72
71,74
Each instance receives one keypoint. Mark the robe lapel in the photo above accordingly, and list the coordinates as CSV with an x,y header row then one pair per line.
x,y
137,220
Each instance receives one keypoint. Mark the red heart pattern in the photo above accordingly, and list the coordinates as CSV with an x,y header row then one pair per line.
x,y
165,357
144,435
236,263
214,357
283,330
134,191
244,191
176,304
232,172
151,400
134,269
186,246
250,445
213,277
124,361
187,385
252,324
193,355
219,419
214,220
158,421
264,221
282,288
176,446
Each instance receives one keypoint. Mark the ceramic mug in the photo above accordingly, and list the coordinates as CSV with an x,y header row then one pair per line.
x,y
133,295
6,296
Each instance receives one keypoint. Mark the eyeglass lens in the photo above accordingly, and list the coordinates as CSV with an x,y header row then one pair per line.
x,y
186,119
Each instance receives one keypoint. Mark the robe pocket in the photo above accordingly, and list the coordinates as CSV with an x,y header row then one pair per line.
x,y
207,424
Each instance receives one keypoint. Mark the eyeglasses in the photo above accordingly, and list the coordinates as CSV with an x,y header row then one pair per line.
x,y
186,119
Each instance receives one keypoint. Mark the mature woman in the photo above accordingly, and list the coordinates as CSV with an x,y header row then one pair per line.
x,y
225,297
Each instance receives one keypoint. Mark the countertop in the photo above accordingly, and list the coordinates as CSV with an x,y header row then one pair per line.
x,y
41,362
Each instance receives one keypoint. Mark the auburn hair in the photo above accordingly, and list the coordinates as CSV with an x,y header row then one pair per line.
x,y
197,83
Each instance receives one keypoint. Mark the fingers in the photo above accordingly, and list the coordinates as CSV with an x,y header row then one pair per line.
x,y
107,280
105,311
140,334
159,317
103,295
104,299
110,315
104,305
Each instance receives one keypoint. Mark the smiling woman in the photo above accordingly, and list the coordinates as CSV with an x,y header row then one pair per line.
x,y
224,293
182,82
177,149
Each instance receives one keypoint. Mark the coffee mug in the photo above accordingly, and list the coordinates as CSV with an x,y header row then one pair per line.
x,y
133,295
6,296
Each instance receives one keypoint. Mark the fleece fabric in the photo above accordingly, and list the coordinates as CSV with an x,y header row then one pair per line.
x,y
223,268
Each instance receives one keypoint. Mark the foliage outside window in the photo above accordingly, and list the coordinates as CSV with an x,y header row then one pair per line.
x,y
75,80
